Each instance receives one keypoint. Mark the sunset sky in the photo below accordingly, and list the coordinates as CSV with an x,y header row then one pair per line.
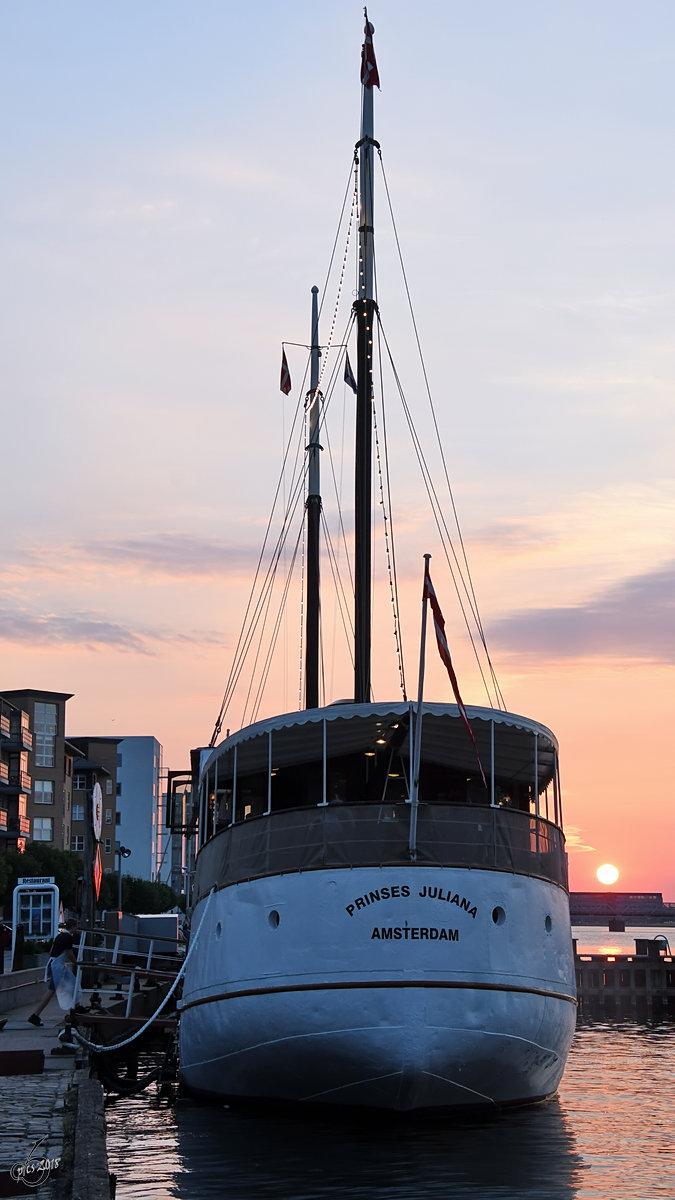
x,y
173,175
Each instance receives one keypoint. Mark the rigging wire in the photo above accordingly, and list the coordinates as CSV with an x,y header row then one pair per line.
x,y
258,607
468,584
437,511
251,618
275,634
387,508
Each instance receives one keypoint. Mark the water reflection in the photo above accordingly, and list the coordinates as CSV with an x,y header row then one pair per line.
x,y
521,1154
608,1135
209,1152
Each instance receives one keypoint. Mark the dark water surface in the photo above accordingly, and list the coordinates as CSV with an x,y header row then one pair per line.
x,y
609,1135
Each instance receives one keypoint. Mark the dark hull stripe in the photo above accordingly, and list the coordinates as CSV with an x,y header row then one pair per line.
x,y
376,983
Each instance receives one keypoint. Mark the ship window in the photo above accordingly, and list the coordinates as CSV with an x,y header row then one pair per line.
x,y
498,915
274,919
548,924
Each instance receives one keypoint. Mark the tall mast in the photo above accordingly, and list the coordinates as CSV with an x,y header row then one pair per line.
x,y
313,518
364,308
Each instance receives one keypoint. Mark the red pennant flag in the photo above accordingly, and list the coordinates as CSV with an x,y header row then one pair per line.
x,y
369,75
285,383
442,642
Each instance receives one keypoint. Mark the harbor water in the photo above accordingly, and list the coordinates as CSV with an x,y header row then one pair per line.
x,y
608,1135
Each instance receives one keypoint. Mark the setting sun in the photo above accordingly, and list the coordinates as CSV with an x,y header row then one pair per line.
x,y
607,873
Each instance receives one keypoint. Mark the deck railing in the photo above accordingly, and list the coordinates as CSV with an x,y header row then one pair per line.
x,y
344,835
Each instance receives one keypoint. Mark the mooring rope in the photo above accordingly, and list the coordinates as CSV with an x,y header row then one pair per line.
x,y
118,1045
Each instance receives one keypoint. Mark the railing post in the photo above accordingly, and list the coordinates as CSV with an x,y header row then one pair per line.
x,y
324,797
269,773
492,761
132,980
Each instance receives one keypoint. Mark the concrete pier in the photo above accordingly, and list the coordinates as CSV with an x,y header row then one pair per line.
x,y
638,985
52,1129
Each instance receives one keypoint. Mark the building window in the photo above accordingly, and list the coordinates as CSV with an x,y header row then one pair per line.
x,y
80,783
108,816
43,791
108,787
119,760
43,828
44,730
108,845
77,842
118,818
78,812
119,789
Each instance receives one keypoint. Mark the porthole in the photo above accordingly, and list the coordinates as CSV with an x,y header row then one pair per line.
x,y
219,929
274,919
498,915
548,924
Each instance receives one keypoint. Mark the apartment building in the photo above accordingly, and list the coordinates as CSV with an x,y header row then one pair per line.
x,y
16,740
35,768
140,808
95,761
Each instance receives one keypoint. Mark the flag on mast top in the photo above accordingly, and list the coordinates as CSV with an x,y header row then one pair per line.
x,y
369,75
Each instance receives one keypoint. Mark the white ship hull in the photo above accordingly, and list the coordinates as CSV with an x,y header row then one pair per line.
x,y
399,987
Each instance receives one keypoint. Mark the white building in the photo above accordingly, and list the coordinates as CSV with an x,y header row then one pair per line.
x,y
140,816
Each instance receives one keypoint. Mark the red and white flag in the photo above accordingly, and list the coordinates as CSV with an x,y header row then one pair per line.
x,y
369,75
285,382
442,643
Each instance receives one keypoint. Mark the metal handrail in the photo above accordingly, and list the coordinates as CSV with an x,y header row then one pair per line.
x,y
103,950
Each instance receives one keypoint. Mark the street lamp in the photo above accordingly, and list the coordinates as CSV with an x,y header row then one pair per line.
x,y
121,852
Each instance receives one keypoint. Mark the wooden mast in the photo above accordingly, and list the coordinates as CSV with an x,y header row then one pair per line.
x,y
364,309
313,519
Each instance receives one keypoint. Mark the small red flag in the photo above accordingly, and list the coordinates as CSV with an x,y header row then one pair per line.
x,y
369,75
442,642
285,383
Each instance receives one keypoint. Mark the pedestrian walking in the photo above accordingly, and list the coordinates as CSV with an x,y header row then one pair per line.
x,y
58,977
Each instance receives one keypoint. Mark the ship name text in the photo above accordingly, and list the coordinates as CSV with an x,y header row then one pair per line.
x,y
421,933
403,890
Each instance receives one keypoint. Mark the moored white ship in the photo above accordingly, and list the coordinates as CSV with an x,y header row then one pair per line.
x,y
380,905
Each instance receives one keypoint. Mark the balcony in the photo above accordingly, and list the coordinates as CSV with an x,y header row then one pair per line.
x,y
4,772
20,825
4,725
20,779
3,819
26,738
